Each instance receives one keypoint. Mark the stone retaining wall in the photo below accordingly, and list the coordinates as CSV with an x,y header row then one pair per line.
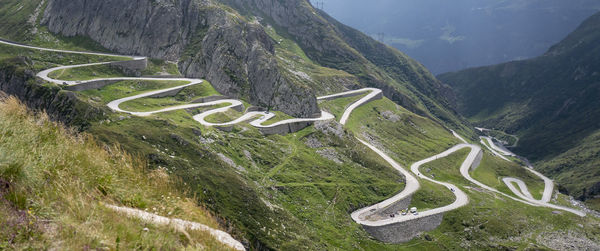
x,y
477,161
394,208
208,99
345,95
94,84
405,231
132,67
170,93
285,128
167,76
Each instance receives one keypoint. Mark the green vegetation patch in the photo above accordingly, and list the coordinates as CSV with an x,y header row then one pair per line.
x,y
161,67
127,88
337,107
493,169
41,60
88,73
185,96
407,136
447,169
54,197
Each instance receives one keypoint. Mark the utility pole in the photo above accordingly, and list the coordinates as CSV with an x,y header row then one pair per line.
x,y
319,4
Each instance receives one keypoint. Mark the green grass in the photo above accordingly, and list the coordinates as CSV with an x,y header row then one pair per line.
x,y
321,79
431,195
279,116
447,169
43,59
224,117
161,67
407,136
311,195
512,140
53,197
127,88
338,106
493,169
185,96
87,73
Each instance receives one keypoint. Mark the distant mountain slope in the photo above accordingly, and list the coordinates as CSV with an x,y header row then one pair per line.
x,y
332,44
248,49
552,102
454,35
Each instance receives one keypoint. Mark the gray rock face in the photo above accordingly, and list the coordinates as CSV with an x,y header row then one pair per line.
x,y
235,55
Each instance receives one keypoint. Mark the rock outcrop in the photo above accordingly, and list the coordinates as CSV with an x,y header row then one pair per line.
x,y
337,46
208,41
17,79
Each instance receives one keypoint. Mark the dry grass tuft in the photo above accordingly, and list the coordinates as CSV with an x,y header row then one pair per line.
x,y
53,182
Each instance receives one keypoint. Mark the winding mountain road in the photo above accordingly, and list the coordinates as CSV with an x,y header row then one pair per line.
x,y
521,190
361,216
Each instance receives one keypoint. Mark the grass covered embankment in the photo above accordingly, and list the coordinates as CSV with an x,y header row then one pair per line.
x,y
54,184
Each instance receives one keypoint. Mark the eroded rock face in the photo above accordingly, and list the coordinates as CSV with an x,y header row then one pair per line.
x,y
235,55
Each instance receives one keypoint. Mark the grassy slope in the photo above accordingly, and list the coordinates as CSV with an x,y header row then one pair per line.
x,y
493,169
316,194
41,60
53,198
309,196
550,102
338,106
87,73
322,80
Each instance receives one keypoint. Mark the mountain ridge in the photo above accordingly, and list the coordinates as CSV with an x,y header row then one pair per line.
x,y
551,102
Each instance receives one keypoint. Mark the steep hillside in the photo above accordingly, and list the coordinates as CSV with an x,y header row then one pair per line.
x,y
551,102
273,54
334,45
449,36
297,190
55,186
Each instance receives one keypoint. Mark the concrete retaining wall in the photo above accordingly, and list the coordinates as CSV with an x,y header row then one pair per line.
x,y
256,109
394,208
94,84
163,76
285,128
477,161
167,94
133,67
376,97
345,95
209,99
405,231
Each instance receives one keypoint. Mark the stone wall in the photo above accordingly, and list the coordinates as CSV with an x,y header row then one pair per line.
x,y
395,207
405,231
344,96
170,93
477,161
285,128
208,99
59,104
94,84
132,67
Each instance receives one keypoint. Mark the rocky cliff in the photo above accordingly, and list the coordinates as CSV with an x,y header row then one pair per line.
x,y
337,46
17,79
209,41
